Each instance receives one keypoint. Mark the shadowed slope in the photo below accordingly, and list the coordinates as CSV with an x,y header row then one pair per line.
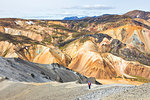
x,y
19,70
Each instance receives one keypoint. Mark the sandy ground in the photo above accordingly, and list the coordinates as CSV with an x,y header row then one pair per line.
x,y
42,91
51,90
72,91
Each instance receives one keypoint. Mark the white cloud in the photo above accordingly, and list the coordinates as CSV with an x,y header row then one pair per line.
x,y
56,13
91,7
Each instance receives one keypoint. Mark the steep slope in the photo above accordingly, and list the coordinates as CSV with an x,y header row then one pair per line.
x,y
16,69
103,57
136,36
139,14
31,39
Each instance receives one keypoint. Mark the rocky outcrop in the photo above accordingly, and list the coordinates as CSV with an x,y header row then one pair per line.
x,y
130,54
19,70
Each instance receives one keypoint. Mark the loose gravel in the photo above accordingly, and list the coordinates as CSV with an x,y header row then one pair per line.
x,y
105,91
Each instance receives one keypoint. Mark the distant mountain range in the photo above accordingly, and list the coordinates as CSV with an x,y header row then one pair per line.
x,y
74,18
133,14
78,18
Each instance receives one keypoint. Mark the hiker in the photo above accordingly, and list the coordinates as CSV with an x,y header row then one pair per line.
x,y
89,84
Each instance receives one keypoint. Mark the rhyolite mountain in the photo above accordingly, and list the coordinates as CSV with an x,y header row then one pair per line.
x,y
104,47
139,14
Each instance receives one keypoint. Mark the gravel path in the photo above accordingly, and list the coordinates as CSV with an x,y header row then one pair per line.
x,y
138,93
104,91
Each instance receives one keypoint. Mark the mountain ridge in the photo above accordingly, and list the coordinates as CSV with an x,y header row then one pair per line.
x,y
139,14
106,46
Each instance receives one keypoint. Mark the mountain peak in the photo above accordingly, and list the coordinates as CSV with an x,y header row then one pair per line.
x,y
138,14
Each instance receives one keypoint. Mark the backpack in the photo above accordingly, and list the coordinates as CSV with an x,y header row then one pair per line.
x,y
89,83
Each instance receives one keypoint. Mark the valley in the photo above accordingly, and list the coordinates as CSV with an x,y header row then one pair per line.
x,y
108,49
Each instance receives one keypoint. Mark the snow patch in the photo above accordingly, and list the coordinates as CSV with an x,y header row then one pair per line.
x,y
6,30
18,22
30,22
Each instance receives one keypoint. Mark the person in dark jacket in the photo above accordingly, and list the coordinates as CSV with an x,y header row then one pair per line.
x,y
89,84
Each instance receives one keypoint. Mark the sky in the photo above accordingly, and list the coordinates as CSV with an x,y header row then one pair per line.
x,y
58,9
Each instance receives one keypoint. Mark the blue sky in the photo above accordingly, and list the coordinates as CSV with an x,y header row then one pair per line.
x,y
58,9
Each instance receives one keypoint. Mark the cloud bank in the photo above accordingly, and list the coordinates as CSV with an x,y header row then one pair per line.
x,y
56,13
91,7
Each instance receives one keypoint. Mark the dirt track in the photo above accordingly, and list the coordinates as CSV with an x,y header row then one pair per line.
x,y
56,91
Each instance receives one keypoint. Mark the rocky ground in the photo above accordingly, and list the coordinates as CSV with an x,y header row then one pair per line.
x,y
141,92
104,91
